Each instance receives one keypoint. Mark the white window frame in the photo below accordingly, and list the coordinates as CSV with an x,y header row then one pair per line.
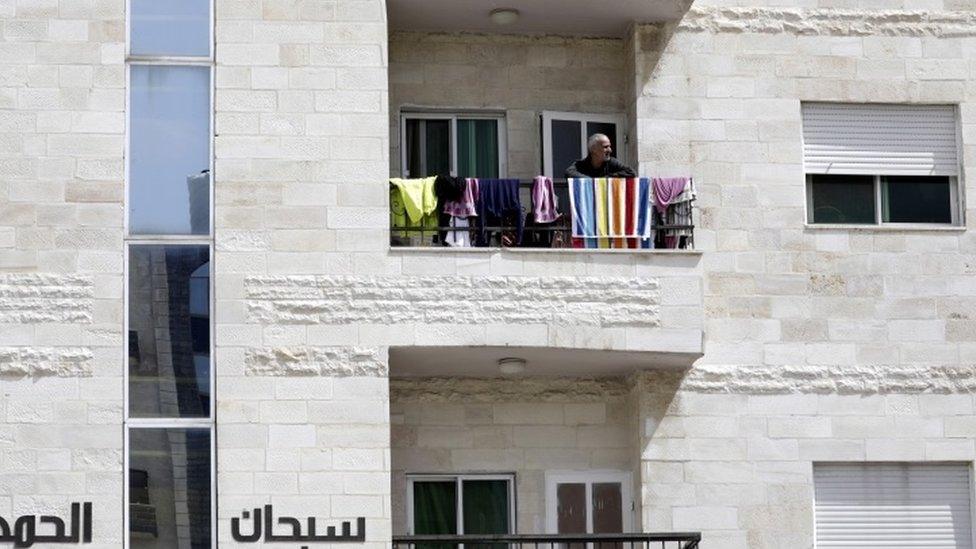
x,y
458,479
207,240
589,478
582,118
453,117
955,206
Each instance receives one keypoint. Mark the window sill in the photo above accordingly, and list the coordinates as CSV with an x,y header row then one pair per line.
x,y
582,251
906,228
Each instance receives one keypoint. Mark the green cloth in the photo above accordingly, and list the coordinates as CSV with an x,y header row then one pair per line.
x,y
413,204
418,198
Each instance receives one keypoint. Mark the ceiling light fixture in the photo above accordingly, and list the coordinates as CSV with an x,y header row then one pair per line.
x,y
511,365
504,16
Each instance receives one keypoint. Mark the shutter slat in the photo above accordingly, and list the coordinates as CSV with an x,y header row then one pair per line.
x,y
892,505
880,139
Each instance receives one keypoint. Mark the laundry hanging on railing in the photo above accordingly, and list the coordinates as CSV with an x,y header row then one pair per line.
x,y
499,204
672,200
412,204
460,213
612,212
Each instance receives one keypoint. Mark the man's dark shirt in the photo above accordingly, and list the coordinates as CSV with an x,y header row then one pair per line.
x,y
611,168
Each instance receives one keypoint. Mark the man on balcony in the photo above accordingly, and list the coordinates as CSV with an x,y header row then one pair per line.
x,y
599,162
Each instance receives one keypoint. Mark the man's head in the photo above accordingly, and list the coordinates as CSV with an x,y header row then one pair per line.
x,y
600,149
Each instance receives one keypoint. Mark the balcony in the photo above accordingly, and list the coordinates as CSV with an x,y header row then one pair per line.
x,y
672,229
670,540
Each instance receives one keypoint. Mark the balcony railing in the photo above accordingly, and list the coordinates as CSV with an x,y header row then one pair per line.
x,y
558,234
667,540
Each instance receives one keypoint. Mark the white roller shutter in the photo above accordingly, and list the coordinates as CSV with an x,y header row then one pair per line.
x,y
879,139
892,506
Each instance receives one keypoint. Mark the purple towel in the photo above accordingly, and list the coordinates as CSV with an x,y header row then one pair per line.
x,y
667,189
543,200
466,206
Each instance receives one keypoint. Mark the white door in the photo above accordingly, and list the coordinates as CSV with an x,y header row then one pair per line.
x,y
590,502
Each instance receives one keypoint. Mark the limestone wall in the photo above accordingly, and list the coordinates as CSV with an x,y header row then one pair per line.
x,y
820,344
301,169
520,76
61,140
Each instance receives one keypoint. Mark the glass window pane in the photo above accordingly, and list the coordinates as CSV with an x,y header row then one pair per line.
x,y
916,199
435,507
478,148
169,488
169,326
571,508
843,199
608,513
485,504
566,145
173,27
438,155
169,150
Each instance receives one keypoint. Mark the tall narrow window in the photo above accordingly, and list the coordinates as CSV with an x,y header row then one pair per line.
x,y
595,502
169,442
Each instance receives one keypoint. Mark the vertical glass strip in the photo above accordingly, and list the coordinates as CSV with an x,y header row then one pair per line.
x,y
169,150
169,331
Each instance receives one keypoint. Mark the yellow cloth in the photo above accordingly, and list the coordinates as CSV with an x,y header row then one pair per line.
x,y
412,204
618,199
600,196
418,197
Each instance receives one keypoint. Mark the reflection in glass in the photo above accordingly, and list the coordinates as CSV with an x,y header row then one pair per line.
x,y
173,27
169,151
916,199
169,326
847,199
428,147
169,488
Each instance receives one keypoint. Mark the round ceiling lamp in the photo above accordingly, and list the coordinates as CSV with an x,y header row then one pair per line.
x,y
504,16
511,365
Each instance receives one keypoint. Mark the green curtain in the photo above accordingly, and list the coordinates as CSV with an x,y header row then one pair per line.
x,y
485,509
434,510
477,148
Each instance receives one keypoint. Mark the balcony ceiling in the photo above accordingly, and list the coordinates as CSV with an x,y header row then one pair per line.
x,y
540,361
559,17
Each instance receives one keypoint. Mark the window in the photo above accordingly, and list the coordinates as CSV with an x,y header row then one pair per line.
x,y
169,411
461,145
461,504
881,164
892,505
589,502
564,136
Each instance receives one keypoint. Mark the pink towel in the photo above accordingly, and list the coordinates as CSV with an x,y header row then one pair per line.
x,y
667,189
543,200
465,207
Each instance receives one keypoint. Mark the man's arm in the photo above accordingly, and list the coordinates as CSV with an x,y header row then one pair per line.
x,y
617,168
572,171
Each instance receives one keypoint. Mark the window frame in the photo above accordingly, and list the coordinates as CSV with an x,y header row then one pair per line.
x,y
955,206
554,478
208,422
129,240
604,118
459,495
453,117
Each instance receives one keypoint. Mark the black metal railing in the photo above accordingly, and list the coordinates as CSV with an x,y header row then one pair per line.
x,y
665,540
559,234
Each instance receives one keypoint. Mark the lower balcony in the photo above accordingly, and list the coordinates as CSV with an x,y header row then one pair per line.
x,y
666,540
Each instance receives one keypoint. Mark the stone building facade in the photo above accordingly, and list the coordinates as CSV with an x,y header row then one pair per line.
x,y
717,378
